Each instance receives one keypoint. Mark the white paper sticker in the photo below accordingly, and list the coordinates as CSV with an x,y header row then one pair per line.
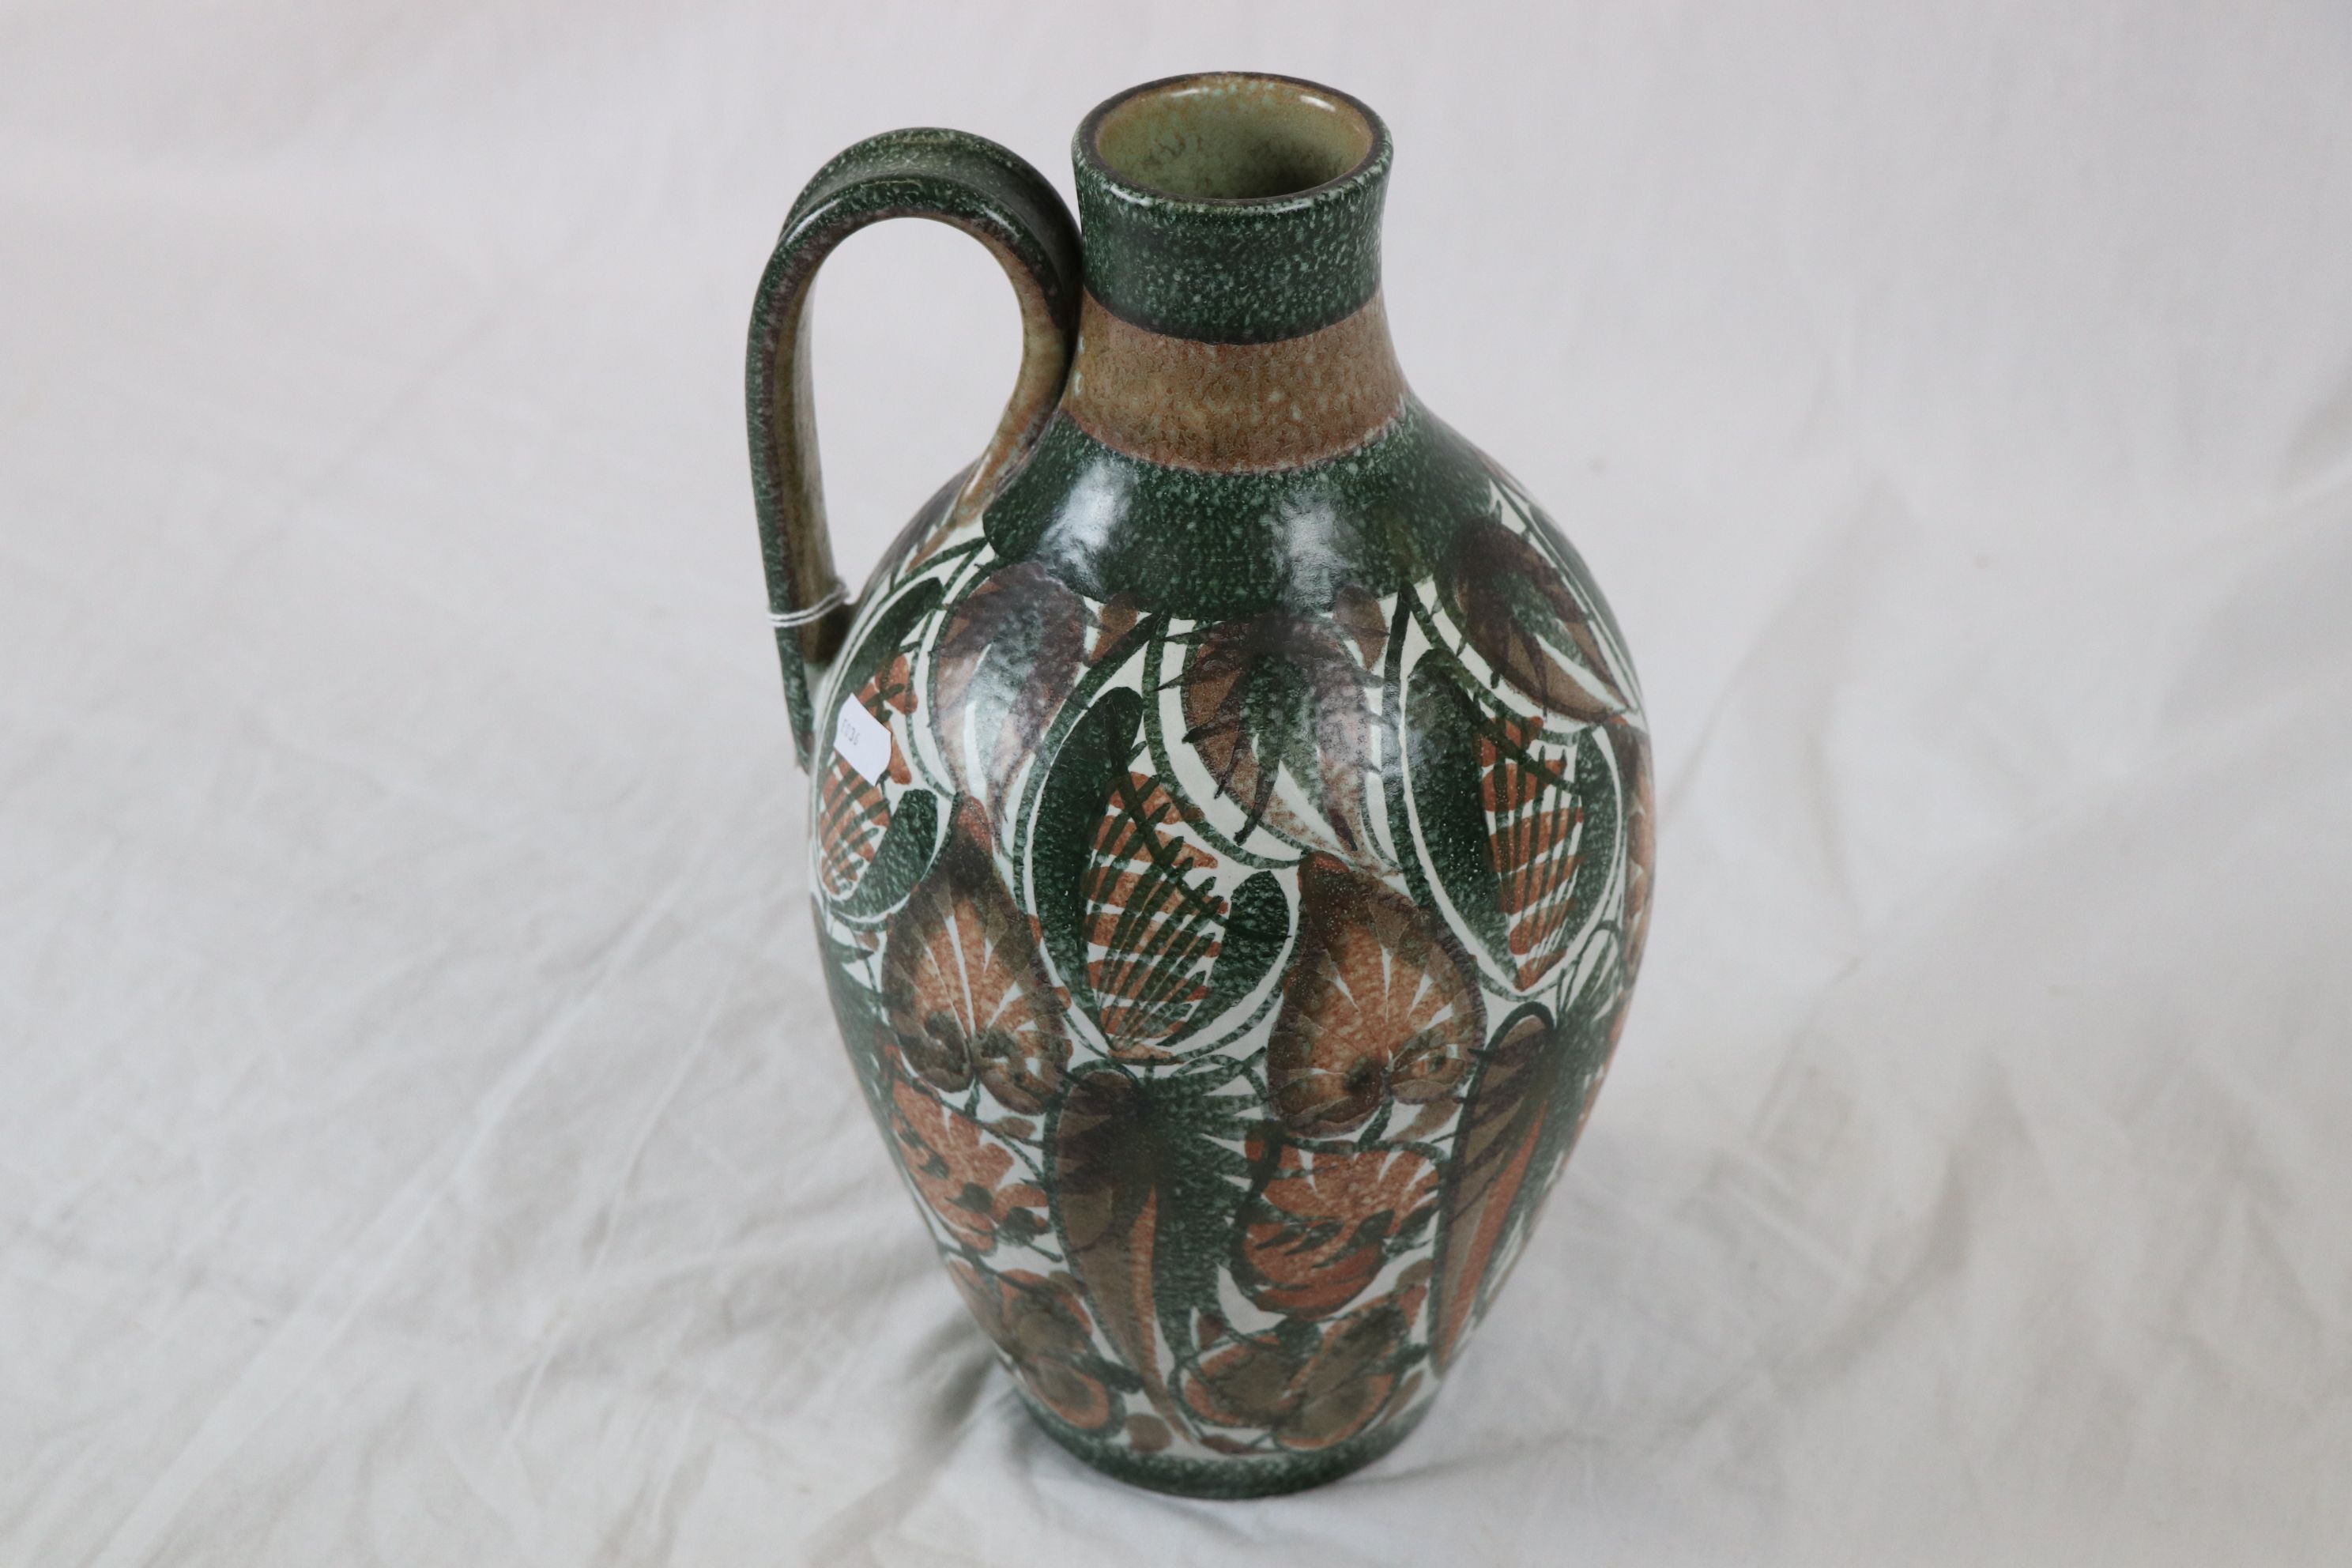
x,y
862,741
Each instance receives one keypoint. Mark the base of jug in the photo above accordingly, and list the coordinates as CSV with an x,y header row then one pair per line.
x,y
1228,1478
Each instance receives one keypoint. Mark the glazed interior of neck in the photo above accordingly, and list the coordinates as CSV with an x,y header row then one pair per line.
x,y
1233,138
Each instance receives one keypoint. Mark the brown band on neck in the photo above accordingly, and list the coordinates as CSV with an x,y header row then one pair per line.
x,y
1233,407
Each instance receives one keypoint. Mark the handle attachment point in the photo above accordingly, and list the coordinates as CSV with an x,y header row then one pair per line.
x,y
952,177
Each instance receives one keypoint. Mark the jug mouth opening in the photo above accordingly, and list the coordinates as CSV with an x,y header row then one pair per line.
x,y
1234,139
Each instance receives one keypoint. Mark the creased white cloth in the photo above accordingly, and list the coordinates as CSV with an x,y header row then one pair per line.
x,y
423,1138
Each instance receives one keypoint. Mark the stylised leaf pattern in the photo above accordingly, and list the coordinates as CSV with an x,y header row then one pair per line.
x,y
1513,606
1310,1388
964,1176
1519,1119
1318,1229
1070,808
1257,922
1445,730
851,814
1153,924
1378,1002
905,850
963,984
1041,1327
1277,693
1521,828
851,818
1195,1080
876,671
1127,902
1494,1155
1005,658
1144,1194
1534,827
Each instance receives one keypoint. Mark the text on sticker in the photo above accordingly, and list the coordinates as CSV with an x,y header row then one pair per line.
x,y
862,741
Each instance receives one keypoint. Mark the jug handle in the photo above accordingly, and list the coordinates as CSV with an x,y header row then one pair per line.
x,y
992,194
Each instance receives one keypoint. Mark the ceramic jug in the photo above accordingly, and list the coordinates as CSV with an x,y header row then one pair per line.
x,y
1230,829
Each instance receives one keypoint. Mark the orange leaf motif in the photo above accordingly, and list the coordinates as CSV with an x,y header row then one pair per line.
x,y
1317,1235
1534,830
1041,1327
1152,925
960,1173
1495,1149
1311,1399
1379,1002
962,984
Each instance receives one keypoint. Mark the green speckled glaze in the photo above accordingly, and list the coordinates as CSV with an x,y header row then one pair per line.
x,y
1231,874
1212,546
1231,270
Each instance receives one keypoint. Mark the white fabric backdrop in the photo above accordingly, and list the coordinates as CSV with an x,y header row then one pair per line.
x,y
422,1137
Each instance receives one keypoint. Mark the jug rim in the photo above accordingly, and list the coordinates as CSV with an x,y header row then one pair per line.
x,y
1352,115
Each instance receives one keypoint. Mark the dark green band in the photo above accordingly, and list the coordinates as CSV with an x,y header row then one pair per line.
x,y
1252,271
1215,546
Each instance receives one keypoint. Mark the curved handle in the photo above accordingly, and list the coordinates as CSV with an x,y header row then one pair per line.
x,y
988,192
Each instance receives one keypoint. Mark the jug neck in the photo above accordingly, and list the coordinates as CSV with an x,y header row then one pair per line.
x,y
1232,318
